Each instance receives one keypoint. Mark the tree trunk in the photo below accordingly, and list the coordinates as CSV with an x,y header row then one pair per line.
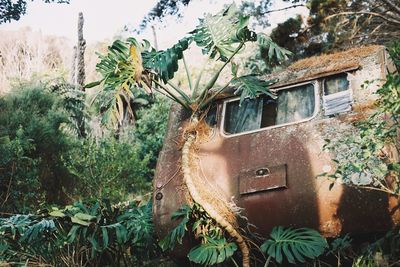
x,y
188,156
80,69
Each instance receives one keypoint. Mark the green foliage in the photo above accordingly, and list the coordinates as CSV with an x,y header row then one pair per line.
x,y
266,56
212,252
220,34
72,100
165,62
383,251
100,235
394,52
162,9
32,119
177,234
148,135
43,161
117,168
363,156
108,168
340,244
274,51
214,247
13,10
295,245
250,86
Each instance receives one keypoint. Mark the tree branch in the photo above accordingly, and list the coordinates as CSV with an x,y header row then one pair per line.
x,y
364,13
392,6
282,9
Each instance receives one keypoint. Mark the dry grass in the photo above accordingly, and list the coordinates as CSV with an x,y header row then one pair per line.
x,y
323,65
336,61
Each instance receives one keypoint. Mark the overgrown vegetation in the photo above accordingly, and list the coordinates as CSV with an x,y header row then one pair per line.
x,y
68,199
45,161
134,65
368,156
78,235
31,169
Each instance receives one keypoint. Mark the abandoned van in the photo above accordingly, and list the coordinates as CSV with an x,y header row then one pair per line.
x,y
266,155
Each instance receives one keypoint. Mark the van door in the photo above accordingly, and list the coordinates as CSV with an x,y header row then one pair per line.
x,y
272,138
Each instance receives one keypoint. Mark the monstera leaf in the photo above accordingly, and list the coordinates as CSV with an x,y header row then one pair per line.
x,y
294,244
250,86
274,50
212,252
165,62
177,234
220,34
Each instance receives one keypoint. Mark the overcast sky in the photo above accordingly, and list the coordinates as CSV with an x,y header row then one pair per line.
x,y
105,18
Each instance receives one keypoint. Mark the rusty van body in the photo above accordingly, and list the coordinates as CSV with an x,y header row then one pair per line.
x,y
267,159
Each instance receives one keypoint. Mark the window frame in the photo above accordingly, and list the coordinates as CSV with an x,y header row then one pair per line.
x,y
349,89
323,80
317,104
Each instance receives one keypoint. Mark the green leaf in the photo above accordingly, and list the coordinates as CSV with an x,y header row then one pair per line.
x,y
165,62
220,34
212,252
37,231
82,219
250,86
57,213
177,234
234,69
79,221
294,244
84,216
4,140
93,84
274,50
105,237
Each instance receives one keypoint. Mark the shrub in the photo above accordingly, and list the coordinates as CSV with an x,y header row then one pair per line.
x,y
79,235
31,171
108,168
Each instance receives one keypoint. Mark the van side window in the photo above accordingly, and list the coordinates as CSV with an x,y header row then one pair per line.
x,y
292,105
337,97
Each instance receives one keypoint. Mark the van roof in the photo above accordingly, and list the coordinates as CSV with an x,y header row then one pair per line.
x,y
319,66
324,65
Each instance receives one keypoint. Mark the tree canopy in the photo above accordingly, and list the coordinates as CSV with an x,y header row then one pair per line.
x,y
13,10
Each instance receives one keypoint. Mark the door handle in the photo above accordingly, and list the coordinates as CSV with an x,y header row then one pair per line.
x,y
263,172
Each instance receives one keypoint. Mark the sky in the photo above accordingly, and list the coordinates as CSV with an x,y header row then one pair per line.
x,y
106,18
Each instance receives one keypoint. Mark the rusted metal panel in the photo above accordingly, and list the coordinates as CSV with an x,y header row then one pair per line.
x,y
262,178
290,194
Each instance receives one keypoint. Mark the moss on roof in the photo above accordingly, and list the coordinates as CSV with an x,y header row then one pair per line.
x,y
324,65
